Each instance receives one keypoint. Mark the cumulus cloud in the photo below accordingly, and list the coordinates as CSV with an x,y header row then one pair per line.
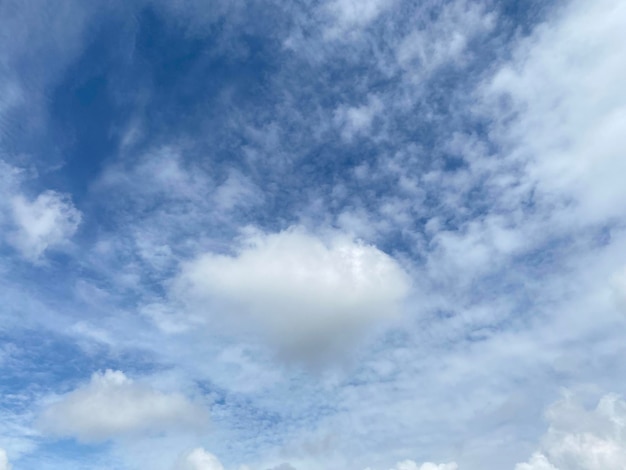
x,y
46,222
580,439
4,461
411,465
307,293
199,459
112,405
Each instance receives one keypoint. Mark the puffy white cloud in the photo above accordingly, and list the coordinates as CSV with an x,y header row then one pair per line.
x,y
112,405
4,461
411,465
48,221
537,462
308,294
199,459
579,439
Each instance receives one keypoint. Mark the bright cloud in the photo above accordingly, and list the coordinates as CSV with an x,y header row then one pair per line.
x,y
44,223
568,109
112,405
199,459
580,439
411,465
4,461
307,293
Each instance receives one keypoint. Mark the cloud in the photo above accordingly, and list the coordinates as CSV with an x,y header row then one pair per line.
x,y
560,108
355,120
44,223
199,459
310,295
350,14
536,462
4,461
618,285
111,405
580,439
411,465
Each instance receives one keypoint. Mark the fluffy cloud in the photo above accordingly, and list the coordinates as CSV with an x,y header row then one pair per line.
x,y
44,223
112,405
411,465
308,294
536,462
579,439
199,459
4,461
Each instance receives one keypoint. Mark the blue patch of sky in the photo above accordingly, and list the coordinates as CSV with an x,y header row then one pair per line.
x,y
43,361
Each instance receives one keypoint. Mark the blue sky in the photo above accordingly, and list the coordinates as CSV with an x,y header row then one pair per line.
x,y
330,234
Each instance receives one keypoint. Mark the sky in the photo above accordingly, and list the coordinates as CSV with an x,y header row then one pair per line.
x,y
312,235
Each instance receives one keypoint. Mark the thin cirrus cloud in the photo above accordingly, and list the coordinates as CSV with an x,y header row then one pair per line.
x,y
112,405
310,295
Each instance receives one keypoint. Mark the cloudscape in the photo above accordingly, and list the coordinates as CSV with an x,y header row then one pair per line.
x,y
312,235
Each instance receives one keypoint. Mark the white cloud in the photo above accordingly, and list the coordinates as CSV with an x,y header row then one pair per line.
x,y
579,439
307,293
199,459
536,462
47,222
349,14
561,104
411,465
355,120
4,461
444,39
112,405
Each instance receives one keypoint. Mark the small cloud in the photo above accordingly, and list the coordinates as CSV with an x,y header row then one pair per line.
x,y
47,222
111,405
348,15
199,459
411,465
357,120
